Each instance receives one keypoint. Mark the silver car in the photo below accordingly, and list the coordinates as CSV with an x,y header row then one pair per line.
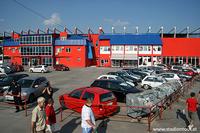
x,y
31,88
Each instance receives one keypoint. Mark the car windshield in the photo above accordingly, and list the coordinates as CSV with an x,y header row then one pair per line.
x,y
107,97
5,79
126,86
120,79
26,83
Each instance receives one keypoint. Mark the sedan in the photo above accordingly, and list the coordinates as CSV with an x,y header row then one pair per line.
x,y
61,67
104,102
31,88
120,89
152,81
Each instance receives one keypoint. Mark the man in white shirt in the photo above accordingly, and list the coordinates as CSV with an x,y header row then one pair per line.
x,y
87,116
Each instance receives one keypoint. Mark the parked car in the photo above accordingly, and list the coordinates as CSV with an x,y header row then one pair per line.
x,y
114,77
61,67
126,77
2,75
31,88
39,68
169,76
188,72
152,81
4,69
7,80
119,88
137,72
104,102
181,75
179,68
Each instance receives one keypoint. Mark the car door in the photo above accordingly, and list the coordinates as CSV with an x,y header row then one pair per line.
x,y
73,100
116,89
37,87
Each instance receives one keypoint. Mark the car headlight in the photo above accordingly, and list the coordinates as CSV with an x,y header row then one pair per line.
x,y
6,87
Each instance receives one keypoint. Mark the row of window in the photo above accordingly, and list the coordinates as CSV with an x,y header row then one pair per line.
x,y
68,50
45,61
130,48
41,39
36,50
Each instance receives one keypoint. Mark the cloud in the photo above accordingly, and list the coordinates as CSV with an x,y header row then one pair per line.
x,y
55,19
116,22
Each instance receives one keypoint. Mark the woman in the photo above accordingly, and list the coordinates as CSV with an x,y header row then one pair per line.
x,y
48,93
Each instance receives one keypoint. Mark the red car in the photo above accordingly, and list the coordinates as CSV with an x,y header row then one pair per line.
x,y
61,67
188,72
104,101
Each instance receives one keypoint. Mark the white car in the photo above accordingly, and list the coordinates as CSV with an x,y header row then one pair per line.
x,y
39,68
114,77
152,81
169,76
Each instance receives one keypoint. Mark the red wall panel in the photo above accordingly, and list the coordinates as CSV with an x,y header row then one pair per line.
x,y
181,47
13,53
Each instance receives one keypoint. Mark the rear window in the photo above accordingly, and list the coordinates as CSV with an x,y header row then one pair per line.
x,y
88,95
107,97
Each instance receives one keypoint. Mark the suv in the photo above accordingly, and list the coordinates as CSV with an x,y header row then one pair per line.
x,y
39,68
119,88
104,102
61,67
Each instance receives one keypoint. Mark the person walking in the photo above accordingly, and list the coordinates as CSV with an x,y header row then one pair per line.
x,y
15,88
48,93
192,105
50,117
87,118
38,122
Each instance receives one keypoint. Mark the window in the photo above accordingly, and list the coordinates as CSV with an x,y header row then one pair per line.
x,y
68,50
107,97
78,49
13,50
78,59
76,94
63,38
88,95
159,48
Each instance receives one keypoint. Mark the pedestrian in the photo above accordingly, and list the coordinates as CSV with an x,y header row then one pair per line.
x,y
38,117
87,118
50,117
47,93
192,105
15,88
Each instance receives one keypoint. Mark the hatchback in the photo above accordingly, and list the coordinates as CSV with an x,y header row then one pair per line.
x,y
61,67
39,68
104,102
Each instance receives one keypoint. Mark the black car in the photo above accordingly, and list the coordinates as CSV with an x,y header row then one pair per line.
x,y
137,72
125,77
119,88
6,81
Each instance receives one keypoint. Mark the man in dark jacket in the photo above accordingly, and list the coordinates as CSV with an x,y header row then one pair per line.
x,y
16,92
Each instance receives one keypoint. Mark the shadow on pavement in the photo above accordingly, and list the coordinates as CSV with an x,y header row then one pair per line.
x,y
179,114
103,126
71,125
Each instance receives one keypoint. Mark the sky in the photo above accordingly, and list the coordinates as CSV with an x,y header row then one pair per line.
x,y
33,14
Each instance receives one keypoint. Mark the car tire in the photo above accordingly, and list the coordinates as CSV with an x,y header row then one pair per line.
x,y
146,87
42,71
31,71
31,98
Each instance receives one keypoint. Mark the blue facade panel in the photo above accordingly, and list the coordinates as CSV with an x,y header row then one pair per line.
x,y
70,42
122,39
10,42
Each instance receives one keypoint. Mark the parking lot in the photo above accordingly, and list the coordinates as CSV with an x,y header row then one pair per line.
x,y
65,81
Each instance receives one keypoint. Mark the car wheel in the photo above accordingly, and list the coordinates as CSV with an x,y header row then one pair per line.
x,y
146,87
31,98
42,71
31,71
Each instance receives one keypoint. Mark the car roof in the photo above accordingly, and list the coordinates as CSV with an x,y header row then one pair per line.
x,y
33,78
107,75
17,74
96,90
110,80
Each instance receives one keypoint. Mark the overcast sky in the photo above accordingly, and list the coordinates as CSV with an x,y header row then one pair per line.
x,y
33,14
